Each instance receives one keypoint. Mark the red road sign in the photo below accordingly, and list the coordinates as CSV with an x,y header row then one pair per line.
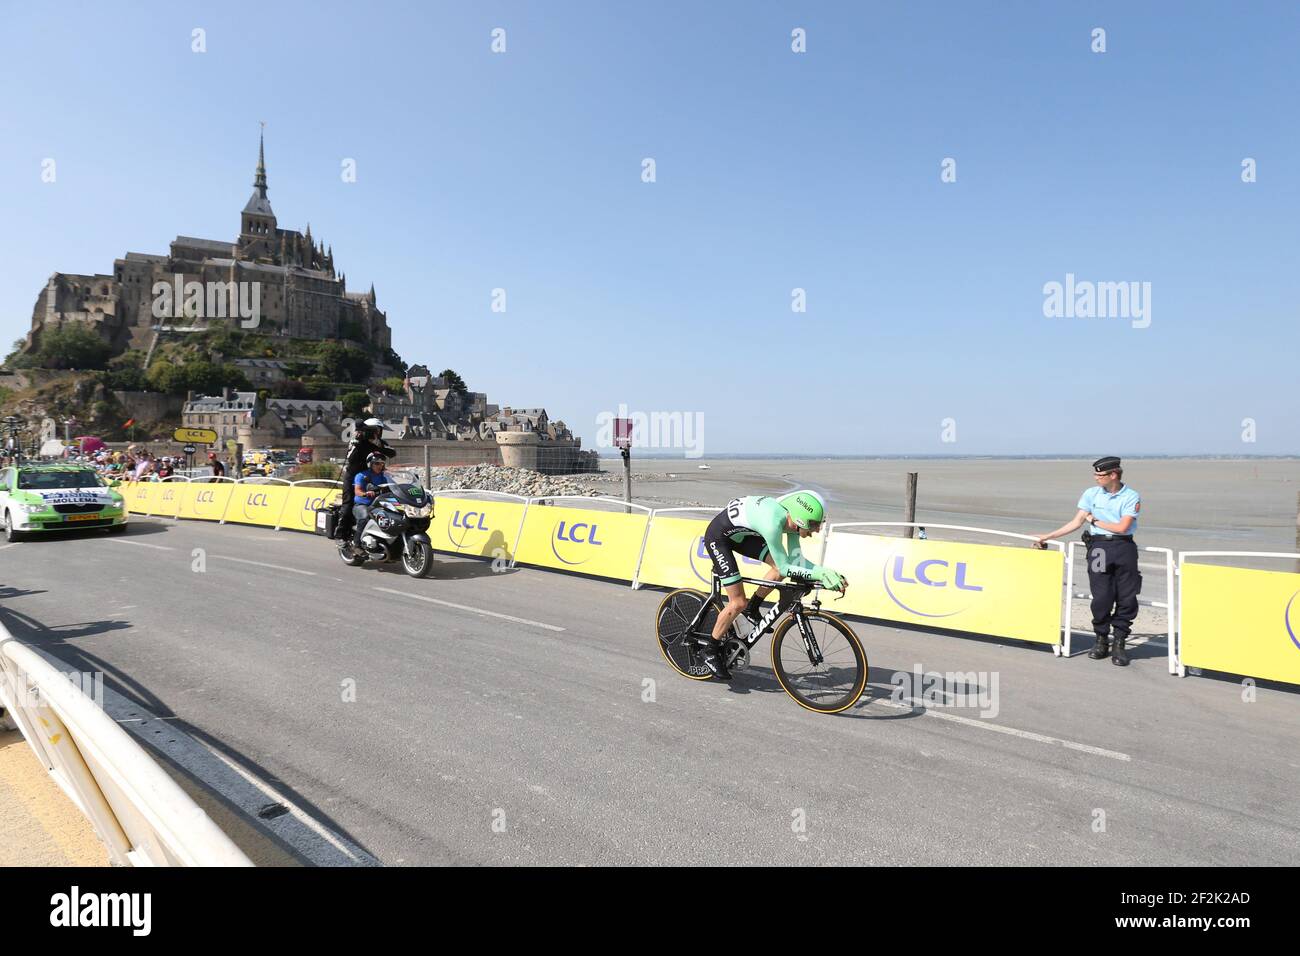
x,y
622,433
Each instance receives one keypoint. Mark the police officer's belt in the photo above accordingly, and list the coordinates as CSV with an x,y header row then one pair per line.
x,y
1089,537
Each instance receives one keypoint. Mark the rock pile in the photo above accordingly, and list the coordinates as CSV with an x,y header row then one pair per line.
x,y
511,481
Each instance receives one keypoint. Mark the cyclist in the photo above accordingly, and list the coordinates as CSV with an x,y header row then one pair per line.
x,y
766,529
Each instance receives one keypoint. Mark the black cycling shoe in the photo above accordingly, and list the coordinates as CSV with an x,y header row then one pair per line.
x,y
712,657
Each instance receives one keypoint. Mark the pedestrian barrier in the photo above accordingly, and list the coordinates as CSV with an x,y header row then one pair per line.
x,y
989,589
141,815
978,588
301,501
603,543
1167,603
477,527
259,502
206,502
1238,620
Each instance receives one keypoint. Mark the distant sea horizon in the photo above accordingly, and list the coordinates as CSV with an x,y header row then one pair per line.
x,y
785,456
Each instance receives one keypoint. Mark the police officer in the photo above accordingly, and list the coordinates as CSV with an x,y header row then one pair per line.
x,y
367,440
1110,509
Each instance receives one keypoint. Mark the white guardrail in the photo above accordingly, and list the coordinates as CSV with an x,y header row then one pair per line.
x,y
138,811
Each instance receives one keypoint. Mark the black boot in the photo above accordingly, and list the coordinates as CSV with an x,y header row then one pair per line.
x,y
1120,657
1101,648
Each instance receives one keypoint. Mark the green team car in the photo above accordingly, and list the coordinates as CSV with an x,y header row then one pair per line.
x,y
57,498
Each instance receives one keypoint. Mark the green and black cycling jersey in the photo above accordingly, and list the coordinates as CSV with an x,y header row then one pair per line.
x,y
755,527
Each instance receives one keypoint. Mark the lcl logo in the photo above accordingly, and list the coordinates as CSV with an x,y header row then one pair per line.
x,y
946,579
207,497
1291,618
311,504
467,522
258,500
579,533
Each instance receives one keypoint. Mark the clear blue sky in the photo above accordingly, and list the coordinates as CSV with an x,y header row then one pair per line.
x,y
775,171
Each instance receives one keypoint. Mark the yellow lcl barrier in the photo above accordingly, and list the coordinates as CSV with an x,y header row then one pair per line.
x,y
1241,621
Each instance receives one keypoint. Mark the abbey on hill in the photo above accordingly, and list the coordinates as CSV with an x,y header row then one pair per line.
x,y
299,293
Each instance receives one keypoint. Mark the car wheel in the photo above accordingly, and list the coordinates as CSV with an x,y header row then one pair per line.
x,y
12,536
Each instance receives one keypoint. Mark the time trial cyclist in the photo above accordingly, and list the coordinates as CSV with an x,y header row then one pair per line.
x,y
766,529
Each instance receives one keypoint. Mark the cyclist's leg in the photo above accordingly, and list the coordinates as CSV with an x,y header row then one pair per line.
x,y
727,569
772,574
735,604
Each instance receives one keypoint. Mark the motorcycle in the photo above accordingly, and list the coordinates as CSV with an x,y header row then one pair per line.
x,y
395,530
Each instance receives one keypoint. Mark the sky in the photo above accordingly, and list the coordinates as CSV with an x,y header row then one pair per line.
x,y
924,330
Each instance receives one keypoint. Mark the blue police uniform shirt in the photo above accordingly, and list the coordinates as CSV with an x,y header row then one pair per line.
x,y
1104,506
368,480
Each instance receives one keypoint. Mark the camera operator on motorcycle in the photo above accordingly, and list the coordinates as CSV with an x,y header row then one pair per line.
x,y
364,489
368,440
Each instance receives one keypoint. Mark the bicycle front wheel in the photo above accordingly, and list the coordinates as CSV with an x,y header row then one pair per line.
x,y
675,615
834,684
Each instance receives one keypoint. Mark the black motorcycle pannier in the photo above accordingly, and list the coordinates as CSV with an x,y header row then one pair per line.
x,y
327,520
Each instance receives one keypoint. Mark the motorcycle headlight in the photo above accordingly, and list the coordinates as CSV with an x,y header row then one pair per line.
x,y
418,511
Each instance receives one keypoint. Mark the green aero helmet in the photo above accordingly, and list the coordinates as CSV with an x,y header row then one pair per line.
x,y
805,507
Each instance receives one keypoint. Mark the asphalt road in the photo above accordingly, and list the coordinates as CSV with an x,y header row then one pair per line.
x,y
353,716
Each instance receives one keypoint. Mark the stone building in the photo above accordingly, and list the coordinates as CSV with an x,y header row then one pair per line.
x,y
222,413
261,372
288,275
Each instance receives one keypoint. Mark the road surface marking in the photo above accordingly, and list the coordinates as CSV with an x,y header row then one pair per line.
x,y
474,610
6,547
263,564
1012,731
141,544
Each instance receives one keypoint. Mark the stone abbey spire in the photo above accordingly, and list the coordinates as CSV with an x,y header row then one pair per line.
x,y
257,221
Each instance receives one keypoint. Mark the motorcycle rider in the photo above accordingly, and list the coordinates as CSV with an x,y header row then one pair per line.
x,y
364,489
367,441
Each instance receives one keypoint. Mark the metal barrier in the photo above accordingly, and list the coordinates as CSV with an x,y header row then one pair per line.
x,y
1175,649
514,547
139,812
1167,603
1058,650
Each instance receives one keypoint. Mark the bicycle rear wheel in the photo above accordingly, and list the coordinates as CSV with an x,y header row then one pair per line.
x,y
676,612
831,686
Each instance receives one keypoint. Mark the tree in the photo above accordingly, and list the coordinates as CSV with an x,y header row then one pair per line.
x,y
73,346
340,363
166,378
354,403
318,387
126,378
289,388
394,385
454,381
198,376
